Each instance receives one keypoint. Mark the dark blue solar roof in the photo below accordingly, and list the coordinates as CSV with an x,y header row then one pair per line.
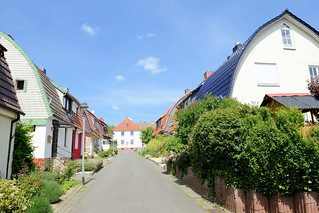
x,y
221,81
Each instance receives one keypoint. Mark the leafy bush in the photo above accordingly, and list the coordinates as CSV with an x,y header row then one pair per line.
x,y
51,190
50,176
23,148
30,183
182,161
172,143
12,198
187,118
146,135
40,205
154,146
89,164
67,184
67,172
254,148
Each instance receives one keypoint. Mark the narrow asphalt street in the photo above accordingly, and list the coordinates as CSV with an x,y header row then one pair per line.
x,y
133,184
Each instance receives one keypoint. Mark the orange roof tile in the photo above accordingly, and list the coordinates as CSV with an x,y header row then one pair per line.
x,y
126,125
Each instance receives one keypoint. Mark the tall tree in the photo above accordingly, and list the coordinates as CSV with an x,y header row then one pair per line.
x,y
146,134
110,130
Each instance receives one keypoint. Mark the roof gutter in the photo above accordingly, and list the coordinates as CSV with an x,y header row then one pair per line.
x,y
10,142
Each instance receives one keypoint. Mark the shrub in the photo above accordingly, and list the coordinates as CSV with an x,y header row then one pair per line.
x,y
89,164
50,176
67,184
154,146
146,135
187,118
172,143
40,205
30,183
23,148
67,172
51,190
182,161
12,198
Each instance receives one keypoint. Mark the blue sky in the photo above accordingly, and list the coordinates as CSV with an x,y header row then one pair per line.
x,y
136,58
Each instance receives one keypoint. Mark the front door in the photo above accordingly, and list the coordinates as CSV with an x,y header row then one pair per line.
x,y
55,141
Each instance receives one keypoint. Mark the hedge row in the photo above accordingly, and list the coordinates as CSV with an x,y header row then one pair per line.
x,y
255,148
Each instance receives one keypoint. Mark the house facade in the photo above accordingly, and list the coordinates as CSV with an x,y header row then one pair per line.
x,y
127,134
10,112
279,57
40,101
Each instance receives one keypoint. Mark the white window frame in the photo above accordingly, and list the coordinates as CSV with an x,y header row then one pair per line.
x,y
122,133
122,142
132,142
260,72
314,72
132,133
286,36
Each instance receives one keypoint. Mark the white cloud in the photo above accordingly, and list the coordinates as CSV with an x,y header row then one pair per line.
x,y
130,118
120,78
149,35
92,111
114,107
139,37
89,30
151,64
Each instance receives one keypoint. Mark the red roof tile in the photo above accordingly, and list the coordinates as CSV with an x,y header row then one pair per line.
x,y
287,94
126,125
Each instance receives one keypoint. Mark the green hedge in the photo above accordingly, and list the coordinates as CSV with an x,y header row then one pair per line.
x,y
51,190
89,164
254,148
40,205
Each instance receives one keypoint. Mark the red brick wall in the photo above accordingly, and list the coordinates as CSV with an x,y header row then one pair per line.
x,y
126,149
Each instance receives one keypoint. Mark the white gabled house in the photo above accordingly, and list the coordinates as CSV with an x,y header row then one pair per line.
x,y
279,57
40,102
127,134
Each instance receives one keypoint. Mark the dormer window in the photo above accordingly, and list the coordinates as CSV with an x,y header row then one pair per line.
x,y
21,85
286,36
126,125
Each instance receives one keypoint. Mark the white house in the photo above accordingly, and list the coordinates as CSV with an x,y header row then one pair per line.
x,y
41,104
9,114
279,57
127,135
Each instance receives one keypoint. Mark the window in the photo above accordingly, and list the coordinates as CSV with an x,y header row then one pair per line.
x,y
65,136
122,142
126,143
266,74
314,72
286,36
132,132
132,142
21,85
122,133
126,125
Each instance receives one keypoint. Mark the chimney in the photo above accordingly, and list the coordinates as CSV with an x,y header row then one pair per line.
x,y
187,91
43,70
238,44
207,74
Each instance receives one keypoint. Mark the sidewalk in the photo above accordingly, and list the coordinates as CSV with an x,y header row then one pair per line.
x,y
71,197
205,204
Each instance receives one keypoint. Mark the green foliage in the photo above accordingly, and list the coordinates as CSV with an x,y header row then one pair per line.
x,y
254,148
89,164
182,161
12,197
51,190
146,135
187,118
23,148
31,183
110,129
154,146
108,152
67,184
50,176
40,205
172,143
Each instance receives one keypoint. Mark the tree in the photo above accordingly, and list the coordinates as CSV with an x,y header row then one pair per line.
x,y
110,130
146,134
23,148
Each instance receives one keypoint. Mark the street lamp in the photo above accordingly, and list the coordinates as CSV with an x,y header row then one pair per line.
x,y
84,107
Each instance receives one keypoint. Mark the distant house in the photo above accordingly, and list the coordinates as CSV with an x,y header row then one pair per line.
x,y
127,134
165,124
277,58
145,125
40,101
106,140
10,112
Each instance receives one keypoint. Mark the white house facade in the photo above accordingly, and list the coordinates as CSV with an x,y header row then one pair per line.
x,y
278,58
127,134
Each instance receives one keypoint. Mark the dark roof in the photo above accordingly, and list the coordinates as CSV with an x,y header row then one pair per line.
x,y
53,98
220,83
8,97
303,101
145,125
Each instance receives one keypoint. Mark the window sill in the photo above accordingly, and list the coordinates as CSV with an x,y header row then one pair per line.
x,y
289,48
268,85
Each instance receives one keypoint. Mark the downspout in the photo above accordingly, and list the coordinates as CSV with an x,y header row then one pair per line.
x,y
10,142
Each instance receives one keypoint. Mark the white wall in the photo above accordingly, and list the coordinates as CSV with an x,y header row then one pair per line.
x,y
65,142
105,144
292,64
6,117
127,139
30,101
39,141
